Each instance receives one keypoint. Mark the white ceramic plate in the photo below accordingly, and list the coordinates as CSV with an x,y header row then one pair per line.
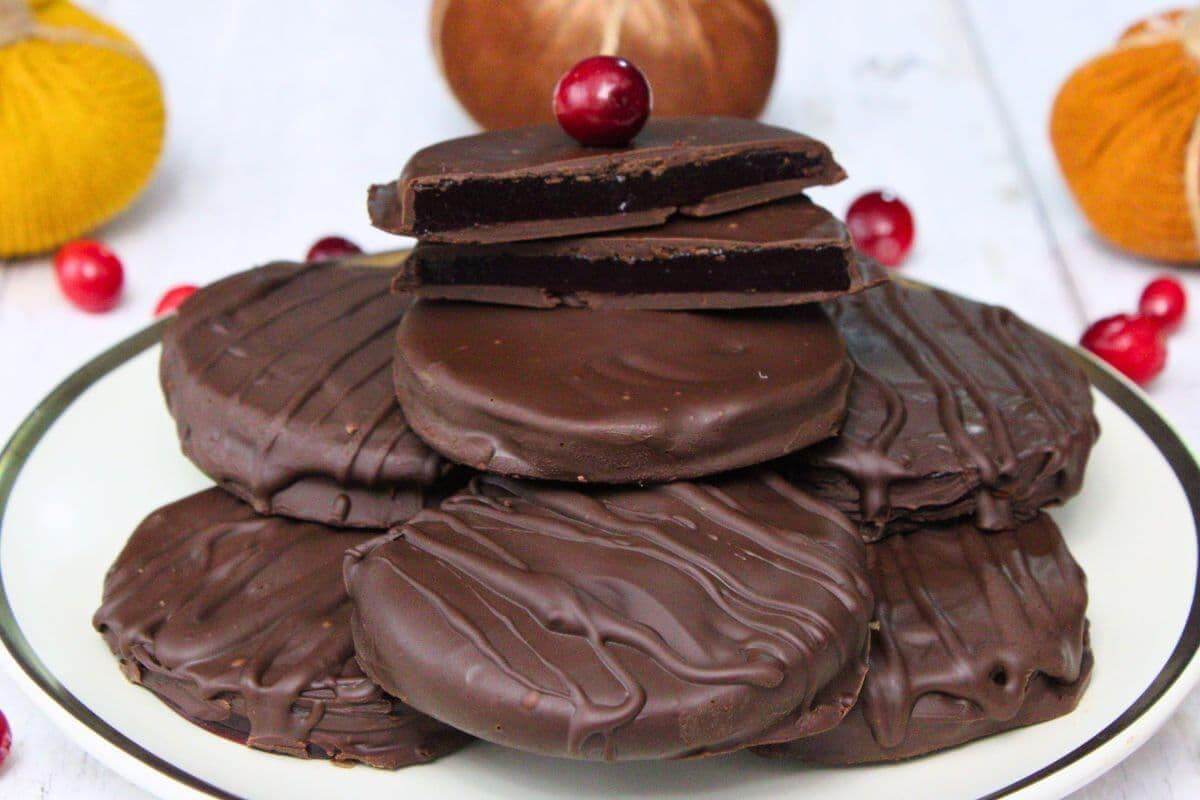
x,y
100,453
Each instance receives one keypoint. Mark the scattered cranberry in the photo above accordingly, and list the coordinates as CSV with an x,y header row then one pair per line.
x,y
89,274
174,298
882,227
5,738
602,101
1164,301
331,248
1133,345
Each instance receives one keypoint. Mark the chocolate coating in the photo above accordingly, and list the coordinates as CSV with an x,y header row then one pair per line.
x,y
676,620
956,409
618,396
279,382
241,624
780,254
537,182
977,633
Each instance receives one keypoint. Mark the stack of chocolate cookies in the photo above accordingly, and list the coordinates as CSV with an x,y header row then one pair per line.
x,y
633,457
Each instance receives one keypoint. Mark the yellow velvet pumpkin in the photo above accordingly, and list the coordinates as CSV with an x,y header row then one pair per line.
x,y
1126,130
81,124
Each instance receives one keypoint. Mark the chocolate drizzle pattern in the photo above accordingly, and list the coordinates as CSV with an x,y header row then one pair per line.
x,y
977,632
241,624
279,382
677,620
956,408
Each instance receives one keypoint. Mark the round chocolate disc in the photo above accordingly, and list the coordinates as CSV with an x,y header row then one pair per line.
x,y
241,624
978,633
619,623
618,396
279,382
956,409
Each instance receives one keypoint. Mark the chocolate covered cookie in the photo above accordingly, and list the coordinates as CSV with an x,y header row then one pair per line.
x,y
279,380
977,633
956,409
618,396
780,254
618,624
538,183
241,624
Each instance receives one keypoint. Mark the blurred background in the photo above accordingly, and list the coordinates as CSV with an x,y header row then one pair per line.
x,y
280,114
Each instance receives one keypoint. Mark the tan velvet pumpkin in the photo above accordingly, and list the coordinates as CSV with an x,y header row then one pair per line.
x,y
502,59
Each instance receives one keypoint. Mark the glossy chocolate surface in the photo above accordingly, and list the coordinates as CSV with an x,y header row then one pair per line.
x,y
618,396
977,633
621,623
241,624
279,380
956,409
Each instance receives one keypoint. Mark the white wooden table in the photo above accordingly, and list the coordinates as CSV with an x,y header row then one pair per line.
x,y
282,112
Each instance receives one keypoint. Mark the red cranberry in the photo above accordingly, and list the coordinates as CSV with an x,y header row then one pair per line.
x,y
1164,301
332,248
602,101
1133,345
882,227
89,274
5,738
173,298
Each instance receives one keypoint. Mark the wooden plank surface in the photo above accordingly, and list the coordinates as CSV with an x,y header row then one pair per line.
x,y
282,113
1029,48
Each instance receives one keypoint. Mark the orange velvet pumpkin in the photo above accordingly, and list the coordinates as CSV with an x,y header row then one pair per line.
x,y
1125,130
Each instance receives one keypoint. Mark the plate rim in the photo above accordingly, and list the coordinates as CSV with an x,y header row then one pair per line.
x,y
142,766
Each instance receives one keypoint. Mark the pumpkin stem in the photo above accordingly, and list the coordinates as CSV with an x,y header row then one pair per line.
x,y
610,39
16,21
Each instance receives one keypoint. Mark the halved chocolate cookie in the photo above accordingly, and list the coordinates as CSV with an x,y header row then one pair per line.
x,y
241,624
538,183
956,409
780,254
279,380
977,633
676,620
